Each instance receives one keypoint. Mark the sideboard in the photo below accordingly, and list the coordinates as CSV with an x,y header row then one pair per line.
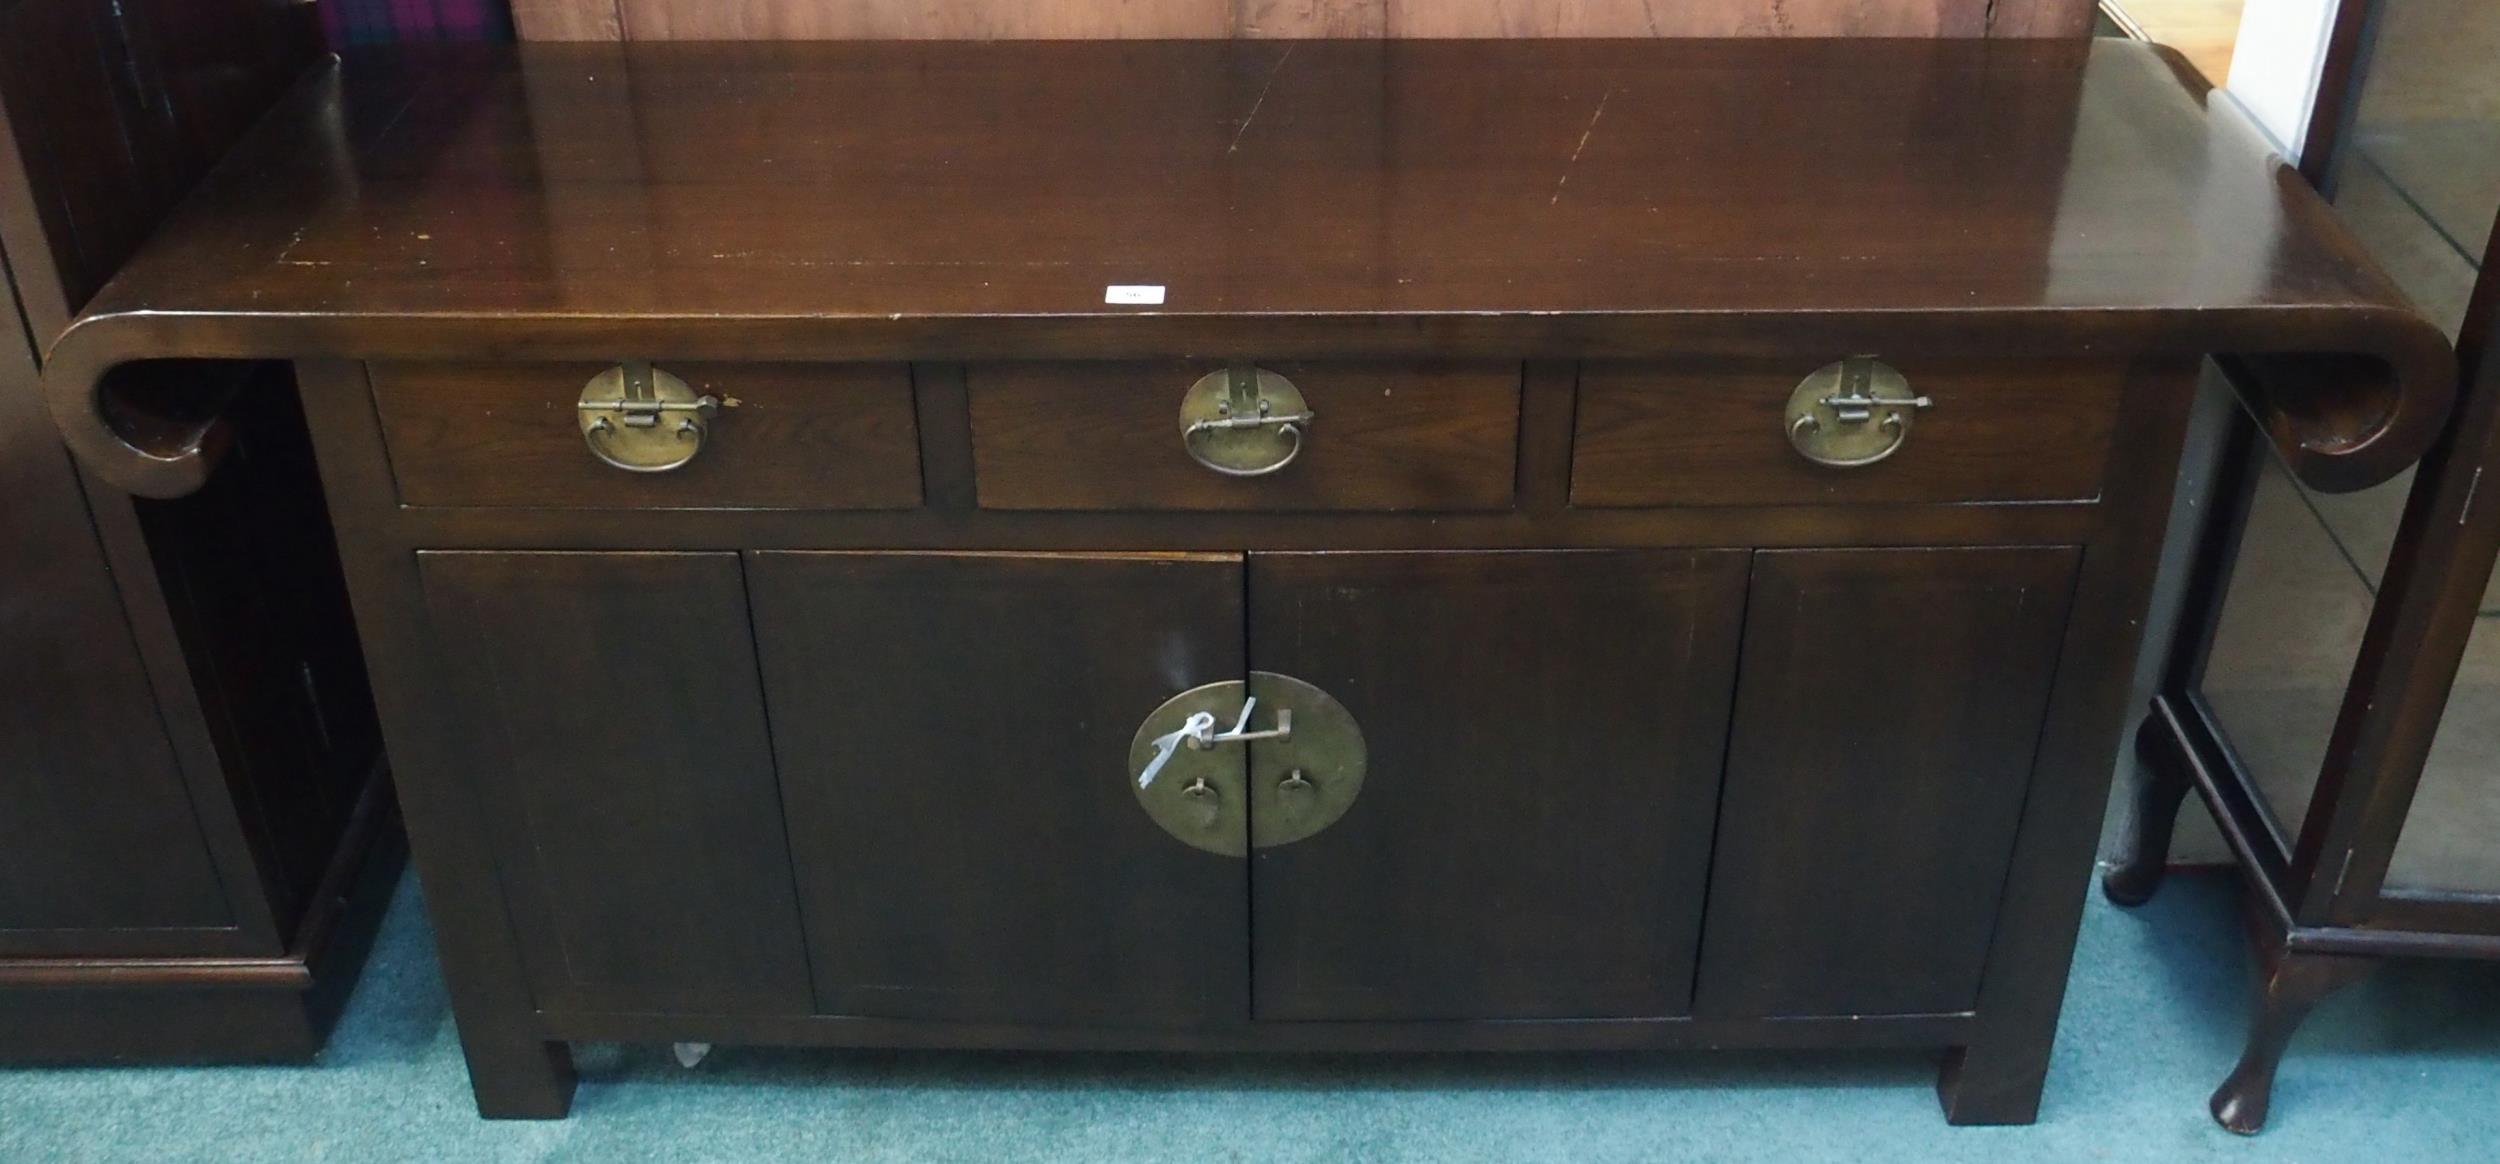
x,y
1303,545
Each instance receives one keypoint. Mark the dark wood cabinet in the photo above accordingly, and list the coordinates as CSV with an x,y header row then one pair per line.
x,y
89,776
196,832
1689,603
666,743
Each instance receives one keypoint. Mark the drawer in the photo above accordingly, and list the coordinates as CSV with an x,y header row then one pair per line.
x,y
1384,436
1716,433
790,436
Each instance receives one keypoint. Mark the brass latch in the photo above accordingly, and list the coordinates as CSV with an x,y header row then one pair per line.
x,y
1851,413
625,413
1198,732
1283,783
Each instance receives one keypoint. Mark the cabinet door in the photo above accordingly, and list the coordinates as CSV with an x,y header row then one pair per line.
x,y
1886,719
617,738
954,736
100,849
1544,735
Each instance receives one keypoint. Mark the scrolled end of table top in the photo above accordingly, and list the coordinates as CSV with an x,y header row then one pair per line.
x,y
2357,409
140,401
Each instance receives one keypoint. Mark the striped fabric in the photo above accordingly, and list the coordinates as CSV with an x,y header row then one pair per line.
x,y
355,22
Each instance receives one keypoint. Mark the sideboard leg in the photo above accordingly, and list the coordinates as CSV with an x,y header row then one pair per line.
x,y
2000,1084
520,1078
2162,785
2294,984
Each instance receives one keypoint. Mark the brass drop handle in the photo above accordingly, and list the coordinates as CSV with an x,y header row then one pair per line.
x,y
1852,413
1206,801
643,420
1296,792
1244,422
1287,427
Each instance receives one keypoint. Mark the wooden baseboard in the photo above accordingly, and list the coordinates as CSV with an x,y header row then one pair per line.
x,y
217,1009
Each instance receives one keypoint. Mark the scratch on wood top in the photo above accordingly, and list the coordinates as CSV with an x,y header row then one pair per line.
x,y
1582,148
1255,106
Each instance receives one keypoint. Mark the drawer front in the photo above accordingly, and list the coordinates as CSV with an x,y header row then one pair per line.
x,y
1384,436
1658,434
790,436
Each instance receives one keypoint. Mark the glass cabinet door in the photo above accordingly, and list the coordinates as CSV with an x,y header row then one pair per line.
x,y
2416,175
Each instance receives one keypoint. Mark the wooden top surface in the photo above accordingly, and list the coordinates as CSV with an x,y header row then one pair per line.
x,y
953,200
860,179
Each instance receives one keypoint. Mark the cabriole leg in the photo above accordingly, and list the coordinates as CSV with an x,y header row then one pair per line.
x,y
2161,787
2293,985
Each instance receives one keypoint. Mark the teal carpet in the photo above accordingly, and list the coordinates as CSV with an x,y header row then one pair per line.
x,y
2406,1068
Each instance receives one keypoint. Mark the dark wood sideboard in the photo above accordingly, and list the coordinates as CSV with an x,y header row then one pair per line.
x,y
196,834
912,704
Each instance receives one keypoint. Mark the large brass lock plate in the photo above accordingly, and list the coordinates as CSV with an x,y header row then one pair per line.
x,y
1194,792
644,420
1244,421
1851,413
1233,766
1300,784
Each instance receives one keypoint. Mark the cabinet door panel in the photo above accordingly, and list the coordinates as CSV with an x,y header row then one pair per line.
x,y
954,735
1545,732
87,776
1886,720
618,737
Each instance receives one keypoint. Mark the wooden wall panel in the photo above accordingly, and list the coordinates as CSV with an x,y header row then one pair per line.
x,y
923,19
2041,18
1096,19
1286,18
1514,18
567,19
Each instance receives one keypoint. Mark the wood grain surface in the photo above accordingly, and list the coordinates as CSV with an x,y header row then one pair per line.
x,y
1086,19
796,436
1532,836
1886,719
1687,434
1387,436
617,728
1409,199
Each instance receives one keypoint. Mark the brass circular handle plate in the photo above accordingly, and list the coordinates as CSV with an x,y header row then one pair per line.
x,y
1301,785
1852,413
1225,783
1194,794
644,420
1244,422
